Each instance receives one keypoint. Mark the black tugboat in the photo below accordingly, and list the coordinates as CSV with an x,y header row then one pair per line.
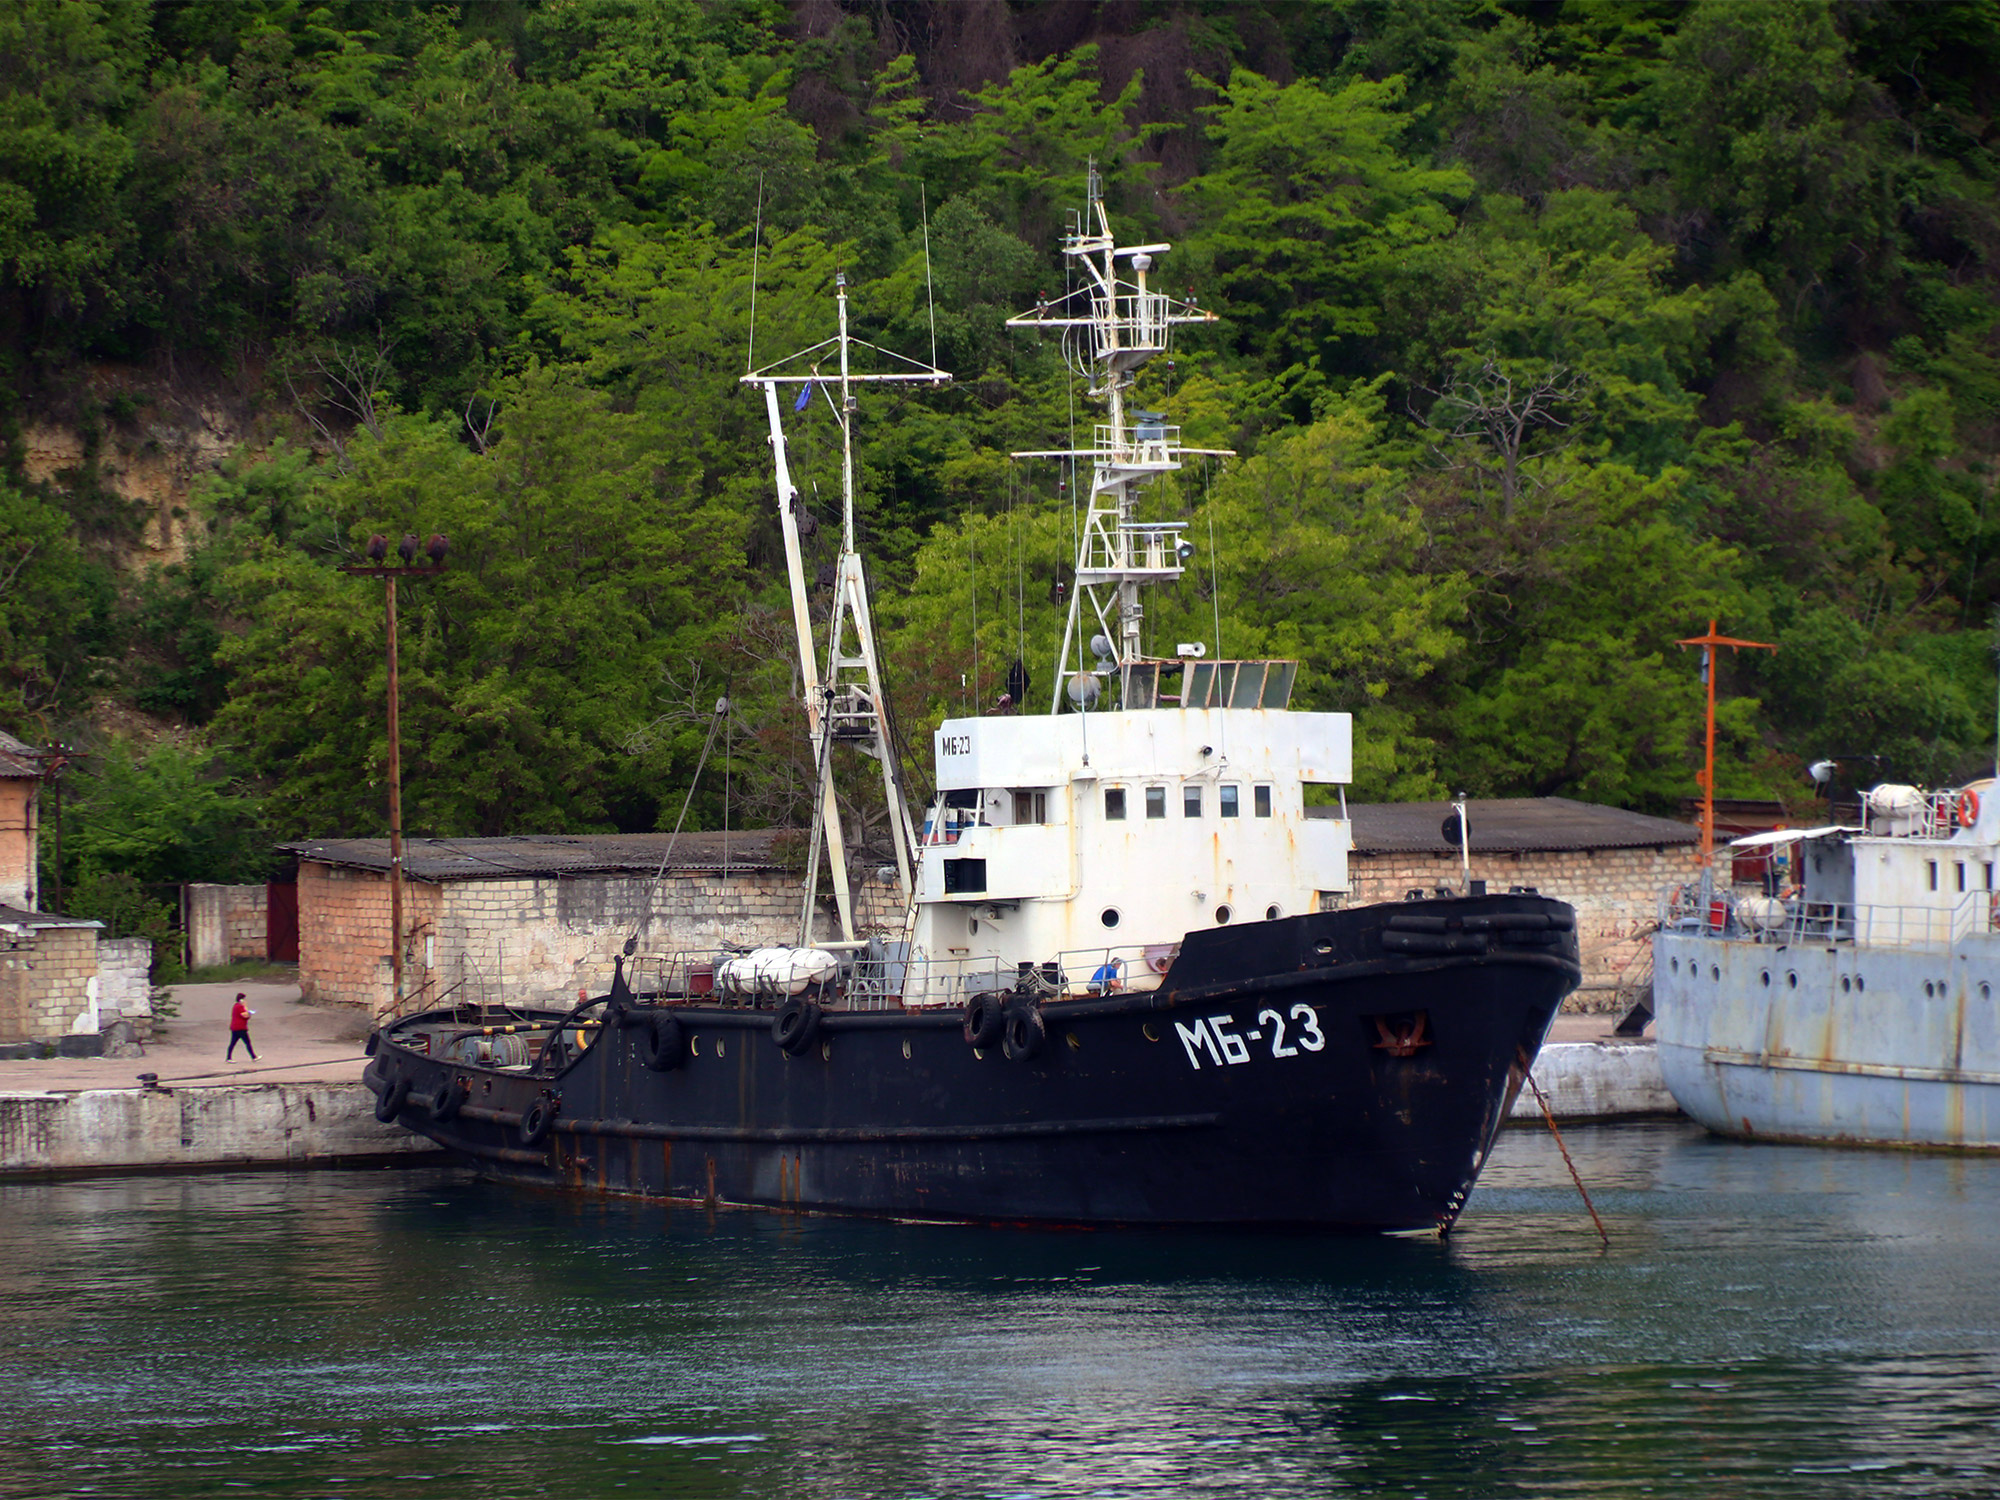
x,y
1128,989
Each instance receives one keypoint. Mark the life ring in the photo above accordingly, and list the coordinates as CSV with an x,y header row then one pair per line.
x,y
793,1027
448,1100
985,1019
1025,1031
536,1120
389,1103
1968,808
661,1044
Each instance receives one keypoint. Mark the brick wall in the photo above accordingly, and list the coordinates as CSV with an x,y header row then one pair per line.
x,y
48,983
18,799
225,923
1616,894
531,937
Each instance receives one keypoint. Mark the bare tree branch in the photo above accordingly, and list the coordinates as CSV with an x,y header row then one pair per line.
x,y
1493,409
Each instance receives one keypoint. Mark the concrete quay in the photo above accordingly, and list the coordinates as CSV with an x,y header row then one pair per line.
x,y
1588,1074
299,1103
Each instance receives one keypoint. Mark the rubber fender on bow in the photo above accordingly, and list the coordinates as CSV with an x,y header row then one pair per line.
x,y
1025,1031
536,1121
389,1103
661,1044
985,1019
448,1100
795,1025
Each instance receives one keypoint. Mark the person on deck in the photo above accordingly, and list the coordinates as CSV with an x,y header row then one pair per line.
x,y
239,1028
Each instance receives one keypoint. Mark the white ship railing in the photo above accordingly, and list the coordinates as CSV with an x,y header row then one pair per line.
x,y
896,981
1132,323
1731,917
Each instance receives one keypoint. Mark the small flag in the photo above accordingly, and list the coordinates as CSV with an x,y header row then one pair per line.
x,y
805,395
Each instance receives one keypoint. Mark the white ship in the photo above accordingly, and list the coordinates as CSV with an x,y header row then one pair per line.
x,y
1854,1003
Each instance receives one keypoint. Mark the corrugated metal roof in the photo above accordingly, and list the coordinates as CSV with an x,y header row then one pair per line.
x,y
18,759
1507,825
550,854
14,916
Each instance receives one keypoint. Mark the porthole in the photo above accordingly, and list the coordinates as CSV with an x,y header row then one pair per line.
x,y
1674,965
1715,972
1927,989
1764,978
1272,912
1222,915
1791,981
1859,983
1985,991
718,1046
1109,916
906,1049
826,1050
1846,984
1322,947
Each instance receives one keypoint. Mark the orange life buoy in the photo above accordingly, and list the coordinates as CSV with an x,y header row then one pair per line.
x,y
1968,808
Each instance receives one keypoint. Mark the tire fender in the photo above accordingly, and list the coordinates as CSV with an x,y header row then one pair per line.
x,y
985,1020
389,1103
1025,1030
661,1044
795,1025
537,1120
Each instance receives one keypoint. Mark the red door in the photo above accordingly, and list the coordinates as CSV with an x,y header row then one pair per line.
x,y
281,923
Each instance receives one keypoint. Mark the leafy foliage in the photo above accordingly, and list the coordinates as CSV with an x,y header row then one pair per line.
x,y
1550,333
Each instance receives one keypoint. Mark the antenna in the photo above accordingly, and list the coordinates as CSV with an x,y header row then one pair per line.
x,y
924,207
757,244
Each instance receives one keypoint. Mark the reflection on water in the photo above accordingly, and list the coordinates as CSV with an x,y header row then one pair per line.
x,y
1769,1321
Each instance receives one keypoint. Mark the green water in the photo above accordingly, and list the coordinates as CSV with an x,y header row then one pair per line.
x,y
1768,1321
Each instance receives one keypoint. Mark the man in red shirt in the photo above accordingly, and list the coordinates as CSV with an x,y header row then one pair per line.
x,y
239,1029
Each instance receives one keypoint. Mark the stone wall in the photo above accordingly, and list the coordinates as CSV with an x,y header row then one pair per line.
x,y
48,983
125,984
540,937
225,923
1616,893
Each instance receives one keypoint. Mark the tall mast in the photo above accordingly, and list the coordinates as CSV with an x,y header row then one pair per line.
x,y
1119,326
846,702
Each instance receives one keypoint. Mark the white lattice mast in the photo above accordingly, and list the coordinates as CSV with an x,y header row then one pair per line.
x,y
845,699
1125,324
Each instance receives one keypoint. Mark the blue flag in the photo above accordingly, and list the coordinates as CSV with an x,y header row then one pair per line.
x,y
805,395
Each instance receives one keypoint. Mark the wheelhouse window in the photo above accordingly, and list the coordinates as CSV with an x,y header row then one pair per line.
x,y
1156,802
1031,807
1262,797
1191,800
1114,804
1227,797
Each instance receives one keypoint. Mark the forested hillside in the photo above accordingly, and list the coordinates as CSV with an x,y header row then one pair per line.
x,y
1550,331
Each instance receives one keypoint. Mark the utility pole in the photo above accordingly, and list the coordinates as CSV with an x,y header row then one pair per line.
x,y
1708,643
379,567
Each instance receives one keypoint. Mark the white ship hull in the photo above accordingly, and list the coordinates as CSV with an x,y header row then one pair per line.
x,y
1827,1041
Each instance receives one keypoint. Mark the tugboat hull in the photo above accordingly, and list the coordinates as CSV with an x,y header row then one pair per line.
x,y
1343,1086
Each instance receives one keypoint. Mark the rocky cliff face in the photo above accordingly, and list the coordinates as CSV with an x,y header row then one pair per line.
x,y
137,446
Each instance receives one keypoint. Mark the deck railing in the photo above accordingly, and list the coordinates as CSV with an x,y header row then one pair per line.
x,y
1734,917
897,981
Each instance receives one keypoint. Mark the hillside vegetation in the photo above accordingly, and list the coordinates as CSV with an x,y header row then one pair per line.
x,y
1550,331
